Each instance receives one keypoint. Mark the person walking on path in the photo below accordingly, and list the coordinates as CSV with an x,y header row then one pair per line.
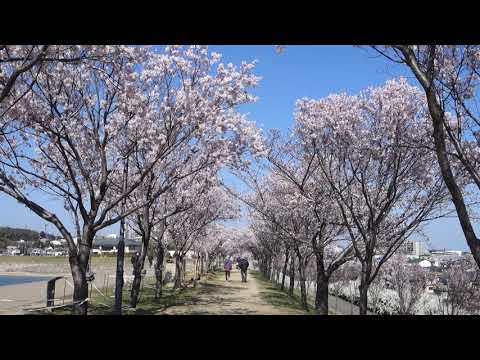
x,y
228,267
243,265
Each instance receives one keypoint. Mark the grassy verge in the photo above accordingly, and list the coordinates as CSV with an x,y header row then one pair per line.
x,y
273,294
147,305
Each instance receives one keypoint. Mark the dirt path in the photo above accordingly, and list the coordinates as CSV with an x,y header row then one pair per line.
x,y
216,296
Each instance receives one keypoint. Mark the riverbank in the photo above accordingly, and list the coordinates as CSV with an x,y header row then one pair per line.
x,y
21,298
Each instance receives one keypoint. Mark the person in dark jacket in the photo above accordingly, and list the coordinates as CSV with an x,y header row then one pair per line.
x,y
243,265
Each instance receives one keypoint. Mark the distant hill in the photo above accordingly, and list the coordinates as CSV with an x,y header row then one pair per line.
x,y
10,236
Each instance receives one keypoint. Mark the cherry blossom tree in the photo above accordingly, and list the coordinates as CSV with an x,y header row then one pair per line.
x,y
449,77
72,145
220,138
152,219
297,165
154,194
368,147
460,289
211,204
278,218
220,241
408,281
20,66
150,223
214,246
294,218
80,126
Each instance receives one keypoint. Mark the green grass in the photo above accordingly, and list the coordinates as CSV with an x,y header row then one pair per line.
x,y
273,294
147,305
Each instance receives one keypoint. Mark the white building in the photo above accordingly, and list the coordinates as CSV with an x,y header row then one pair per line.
x,y
414,248
454,252
447,252
425,264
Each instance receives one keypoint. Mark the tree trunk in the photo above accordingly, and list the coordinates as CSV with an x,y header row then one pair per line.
x,y
363,288
195,266
178,272
80,285
208,263
211,263
292,275
438,119
184,269
272,270
139,264
321,294
284,272
138,267
119,274
159,272
277,270
451,183
303,290
269,269
79,266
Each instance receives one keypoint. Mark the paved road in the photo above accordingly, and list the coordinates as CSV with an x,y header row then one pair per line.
x,y
342,307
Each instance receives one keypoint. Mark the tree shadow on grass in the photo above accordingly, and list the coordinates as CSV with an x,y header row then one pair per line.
x,y
273,295
204,294
279,299
208,288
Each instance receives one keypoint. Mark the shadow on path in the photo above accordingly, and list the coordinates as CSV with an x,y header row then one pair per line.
x,y
215,296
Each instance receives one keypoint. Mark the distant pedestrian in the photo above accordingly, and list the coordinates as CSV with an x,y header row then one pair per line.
x,y
228,267
243,265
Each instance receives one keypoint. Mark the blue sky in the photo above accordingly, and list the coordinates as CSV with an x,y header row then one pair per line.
x,y
301,71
